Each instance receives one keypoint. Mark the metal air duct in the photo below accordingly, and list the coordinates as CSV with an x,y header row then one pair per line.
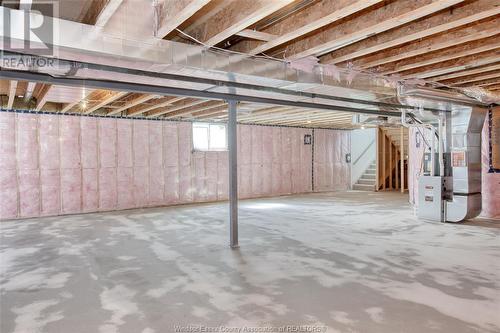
x,y
455,198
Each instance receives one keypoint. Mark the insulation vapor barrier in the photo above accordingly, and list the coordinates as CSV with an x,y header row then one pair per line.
x,y
57,164
490,181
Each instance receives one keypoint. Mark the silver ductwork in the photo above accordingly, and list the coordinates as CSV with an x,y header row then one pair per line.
x,y
457,197
466,126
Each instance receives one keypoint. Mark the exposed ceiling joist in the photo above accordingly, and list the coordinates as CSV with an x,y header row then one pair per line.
x,y
445,69
210,111
30,88
484,83
132,103
110,97
174,13
448,56
370,30
235,17
199,111
467,72
161,102
487,85
69,106
189,111
41,98
107,12
257,35
213,117
406,38
464,80
448,41
12,93
185,104
316,24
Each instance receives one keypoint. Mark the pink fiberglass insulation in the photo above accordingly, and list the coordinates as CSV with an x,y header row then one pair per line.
x,y
286,166
490,181
305,161
244,161
29,192
331,171
171,162
8,194
267,161
88,126
211,162
199,181
27,145
107,189
156,178
71,190
107,143
141,186
124,181
90,190
222,175
8,173
276,161
7,141
49,142
124,143
66,164
69,138
51,191
186,190
140,144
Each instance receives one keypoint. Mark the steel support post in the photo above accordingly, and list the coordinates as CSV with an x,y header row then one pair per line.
x,y
232,134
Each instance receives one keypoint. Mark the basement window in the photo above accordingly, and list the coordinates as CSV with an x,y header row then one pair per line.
x,y
209,137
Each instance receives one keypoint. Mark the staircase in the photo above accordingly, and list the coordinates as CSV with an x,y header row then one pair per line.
x,y
389,158
367,180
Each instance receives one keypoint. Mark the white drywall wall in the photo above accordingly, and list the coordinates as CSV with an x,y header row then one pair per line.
x,y
362,154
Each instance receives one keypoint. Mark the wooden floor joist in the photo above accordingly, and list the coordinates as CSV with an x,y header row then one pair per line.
x,y
453,42
109,97
384,25
12,93
447,21
467,72
448,55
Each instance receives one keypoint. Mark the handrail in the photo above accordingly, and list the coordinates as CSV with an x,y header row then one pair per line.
x,y
364,151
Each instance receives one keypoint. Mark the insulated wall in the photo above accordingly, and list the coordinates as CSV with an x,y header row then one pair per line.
x,y
490,181
58,164
331,171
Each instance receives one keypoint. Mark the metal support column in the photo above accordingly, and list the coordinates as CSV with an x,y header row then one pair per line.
x,y
402,132
233,173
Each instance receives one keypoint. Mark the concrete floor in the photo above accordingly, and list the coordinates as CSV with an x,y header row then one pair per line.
x,y
341,262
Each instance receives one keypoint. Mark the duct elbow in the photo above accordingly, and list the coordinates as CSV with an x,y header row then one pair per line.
x,y
463,207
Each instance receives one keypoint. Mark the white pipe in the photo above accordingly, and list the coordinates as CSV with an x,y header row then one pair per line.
x,y
433,153
440,147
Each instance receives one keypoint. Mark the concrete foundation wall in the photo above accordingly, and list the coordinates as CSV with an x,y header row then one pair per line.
x,y
56,164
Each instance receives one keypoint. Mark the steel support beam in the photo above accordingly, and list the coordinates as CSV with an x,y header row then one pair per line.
x,y
232,134
232,84
171,91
